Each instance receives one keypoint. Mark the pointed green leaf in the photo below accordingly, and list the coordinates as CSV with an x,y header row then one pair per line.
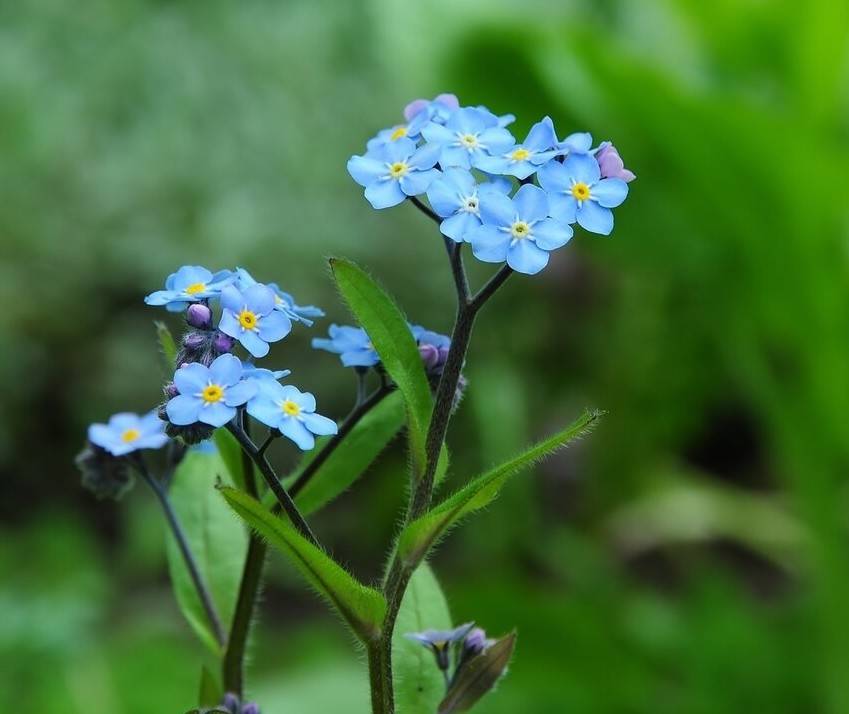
x,y
390,334
353,455
419,685
167,348
363,608
420,535
478,676
211,691
217,539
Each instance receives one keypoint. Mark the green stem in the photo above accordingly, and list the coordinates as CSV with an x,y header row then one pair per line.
x,y
186,551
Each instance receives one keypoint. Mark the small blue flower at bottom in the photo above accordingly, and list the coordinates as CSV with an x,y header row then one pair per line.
x,y
127,432
191,283
351,343
439,641
249,316
209,394
576,191
394,171
291,411
518,230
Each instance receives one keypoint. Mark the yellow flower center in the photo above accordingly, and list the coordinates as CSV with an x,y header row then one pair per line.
x,y
470,141
130,435
248,319
212,393
398,169
196,288
581,191
520,229
520,155
291,408
399,133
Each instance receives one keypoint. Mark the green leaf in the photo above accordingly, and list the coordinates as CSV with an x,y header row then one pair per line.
x,y
217,540
420,535
419,685
231,455
478,676
167,348
211,691
353,455
390,334
363,608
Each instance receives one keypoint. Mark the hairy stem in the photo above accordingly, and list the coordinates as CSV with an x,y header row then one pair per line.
x,y
186,552
398,575
265,468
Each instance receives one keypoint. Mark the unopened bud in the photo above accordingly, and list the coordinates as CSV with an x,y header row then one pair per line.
x,y
170,390
475,642
430,356
250,708
199,315
231,703
222,343
193,340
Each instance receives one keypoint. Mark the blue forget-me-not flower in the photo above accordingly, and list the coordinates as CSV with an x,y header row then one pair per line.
x,y
578,193
127,432
351,343
522,160
291,411
209,394
455,196
191,283
249,316
518,230
394,171
283,301
468,136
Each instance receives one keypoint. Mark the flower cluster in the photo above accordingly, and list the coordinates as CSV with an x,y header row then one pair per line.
x,y
512,201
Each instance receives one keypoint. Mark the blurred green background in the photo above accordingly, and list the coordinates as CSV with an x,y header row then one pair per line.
x,y
689,557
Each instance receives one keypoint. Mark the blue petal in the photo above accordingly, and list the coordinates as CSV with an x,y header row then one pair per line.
x,y
183,409
102,436
297,432
610,192
189,275
240,393
550,234
274,326
384,194
365,170
520,169
192,378
580,142
399,150
582,168
497,140
151,441
492,164
541,137
496,209
489,244
443,195
229,324
525,257
217,414
595,218
554,177
455,156
360,358
437,134
457,226
417,182
563,207
322,343
468,120
160,297
319,424
265,410
225,370
425,157
150,423
231,299
252,342
531,203
259,299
